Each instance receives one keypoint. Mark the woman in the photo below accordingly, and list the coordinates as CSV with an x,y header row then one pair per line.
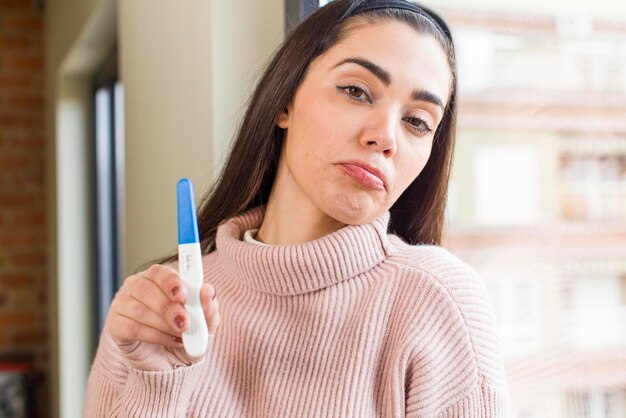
x,y
321,235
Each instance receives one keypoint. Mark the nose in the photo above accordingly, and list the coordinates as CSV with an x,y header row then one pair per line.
x,y
380,134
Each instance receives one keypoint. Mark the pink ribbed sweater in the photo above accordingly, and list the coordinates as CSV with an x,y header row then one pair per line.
x,y
355,324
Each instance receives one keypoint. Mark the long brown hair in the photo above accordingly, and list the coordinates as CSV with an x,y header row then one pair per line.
x,y
248,174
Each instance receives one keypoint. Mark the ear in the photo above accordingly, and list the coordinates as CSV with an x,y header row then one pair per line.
x,y
282,120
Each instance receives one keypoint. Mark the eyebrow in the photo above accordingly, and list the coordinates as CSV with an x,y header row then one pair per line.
x,y
419,95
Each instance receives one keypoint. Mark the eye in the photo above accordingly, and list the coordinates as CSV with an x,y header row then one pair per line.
x,y
418,126
354,93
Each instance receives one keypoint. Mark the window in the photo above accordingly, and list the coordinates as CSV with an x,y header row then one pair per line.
x,y
109,187
296,10
518,306
537,198
595,310
511,173
596,404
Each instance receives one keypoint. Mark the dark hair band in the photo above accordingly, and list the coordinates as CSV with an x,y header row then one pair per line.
x,y
404,5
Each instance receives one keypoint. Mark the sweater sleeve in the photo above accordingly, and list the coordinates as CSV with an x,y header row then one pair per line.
x,y
483,402
116,390
456,368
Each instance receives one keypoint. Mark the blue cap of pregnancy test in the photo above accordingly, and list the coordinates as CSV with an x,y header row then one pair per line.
x,y
187,218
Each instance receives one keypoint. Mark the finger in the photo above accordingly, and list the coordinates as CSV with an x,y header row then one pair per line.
x,y
210,306
214,321
125,330
208,296
150,294
208,293
140,312
168,280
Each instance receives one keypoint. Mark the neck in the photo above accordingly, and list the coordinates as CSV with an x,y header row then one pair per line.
x,y
291,217
282,225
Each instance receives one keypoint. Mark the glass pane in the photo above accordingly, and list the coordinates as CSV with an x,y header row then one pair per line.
x,y
118,94
105,234
538,200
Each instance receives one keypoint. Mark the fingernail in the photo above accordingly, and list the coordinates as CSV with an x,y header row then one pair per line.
x,y
214,294
175,290
179,321
177,340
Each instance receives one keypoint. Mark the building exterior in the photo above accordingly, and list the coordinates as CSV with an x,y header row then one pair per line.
x,y
538,201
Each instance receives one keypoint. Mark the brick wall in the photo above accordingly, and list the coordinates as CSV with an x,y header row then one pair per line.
x,y
23,294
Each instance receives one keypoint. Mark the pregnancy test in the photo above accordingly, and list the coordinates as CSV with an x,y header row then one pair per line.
x,y
196,338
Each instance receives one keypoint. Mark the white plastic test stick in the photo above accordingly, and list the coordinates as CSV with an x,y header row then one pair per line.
x,y
196,338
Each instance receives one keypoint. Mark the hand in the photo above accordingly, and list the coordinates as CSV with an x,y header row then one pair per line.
x,y
148,317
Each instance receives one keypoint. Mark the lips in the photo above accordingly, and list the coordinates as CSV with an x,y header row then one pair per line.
x,y
364,174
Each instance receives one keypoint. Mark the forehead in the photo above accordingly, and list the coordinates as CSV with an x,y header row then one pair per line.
x,y
414,60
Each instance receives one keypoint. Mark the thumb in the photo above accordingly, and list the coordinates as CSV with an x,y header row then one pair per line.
x,y
207,295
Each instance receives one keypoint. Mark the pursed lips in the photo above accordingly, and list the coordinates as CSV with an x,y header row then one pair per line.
x,y
365,174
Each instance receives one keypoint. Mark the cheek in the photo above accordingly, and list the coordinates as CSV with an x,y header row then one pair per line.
x,y
321,121
309,147
316,132
410,167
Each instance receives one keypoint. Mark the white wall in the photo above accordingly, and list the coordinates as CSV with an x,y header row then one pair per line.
x,y
187,69
79,34
185,90
74,217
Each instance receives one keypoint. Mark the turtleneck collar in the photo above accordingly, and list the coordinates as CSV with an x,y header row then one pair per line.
x,y
301,268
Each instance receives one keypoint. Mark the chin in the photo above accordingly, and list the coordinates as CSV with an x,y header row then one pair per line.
x,y
353,211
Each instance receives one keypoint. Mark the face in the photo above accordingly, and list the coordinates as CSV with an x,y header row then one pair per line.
x,y
360,127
